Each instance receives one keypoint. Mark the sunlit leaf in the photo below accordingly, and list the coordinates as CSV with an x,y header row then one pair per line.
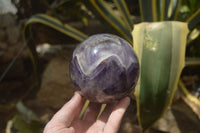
x,y
161,51
193,35
26,112
146,10
26,122
165,8
87,102
84,108
192,61
194,20
121,5
102,10
155,10
51,23
57,25
19,125
160,9
173,9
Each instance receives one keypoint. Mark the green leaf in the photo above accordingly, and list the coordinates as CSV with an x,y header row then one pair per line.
x,y
148,10
160,9
173,9
64,3
191,100
57,25
194,20
26,122
87,102
121,5
102,10
161,51
192,61
21,126
157,10
193,35
26,112
52,23
165,9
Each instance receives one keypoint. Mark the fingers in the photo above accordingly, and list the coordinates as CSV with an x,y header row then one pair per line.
x,y
71,109
101,122
92,112
106,113
115,117
111,117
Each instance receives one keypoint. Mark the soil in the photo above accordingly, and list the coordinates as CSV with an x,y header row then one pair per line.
x,y
56,89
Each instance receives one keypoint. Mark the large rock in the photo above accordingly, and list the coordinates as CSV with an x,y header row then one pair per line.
x,y
56,87
13,34
7,20
7,6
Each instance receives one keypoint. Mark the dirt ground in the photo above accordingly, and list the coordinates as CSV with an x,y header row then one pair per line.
x,y
56,89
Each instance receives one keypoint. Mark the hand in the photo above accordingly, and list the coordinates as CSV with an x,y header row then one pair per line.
x,y
66,120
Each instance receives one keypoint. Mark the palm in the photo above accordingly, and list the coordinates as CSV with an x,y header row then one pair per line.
x,y
66,120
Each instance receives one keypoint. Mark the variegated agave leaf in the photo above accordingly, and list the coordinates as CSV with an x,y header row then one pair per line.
x,y
160,47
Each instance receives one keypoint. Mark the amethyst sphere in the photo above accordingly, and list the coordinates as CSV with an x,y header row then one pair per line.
x,y
104,68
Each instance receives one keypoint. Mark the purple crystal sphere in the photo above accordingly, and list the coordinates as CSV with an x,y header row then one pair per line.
x,y
104,68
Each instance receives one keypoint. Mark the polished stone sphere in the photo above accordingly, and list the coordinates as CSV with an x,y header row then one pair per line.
x,y
104,68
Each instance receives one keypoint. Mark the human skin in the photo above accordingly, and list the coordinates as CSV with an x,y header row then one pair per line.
x,y
66,120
